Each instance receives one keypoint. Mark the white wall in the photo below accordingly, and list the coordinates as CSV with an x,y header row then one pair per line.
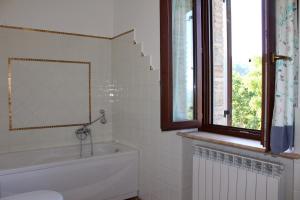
x,y
297,149
93,17
296,180
136,121
165,160
28,44
107,18
143,15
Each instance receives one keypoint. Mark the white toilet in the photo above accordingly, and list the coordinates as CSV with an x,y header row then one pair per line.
x,y
36,195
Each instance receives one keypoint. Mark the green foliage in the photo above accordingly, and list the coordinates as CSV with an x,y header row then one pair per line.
x,y
247,97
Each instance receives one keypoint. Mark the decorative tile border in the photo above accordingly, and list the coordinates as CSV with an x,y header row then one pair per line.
x,y
64,33
10,109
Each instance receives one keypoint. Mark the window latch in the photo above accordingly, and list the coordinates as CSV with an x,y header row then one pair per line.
x,y
226,113
280,57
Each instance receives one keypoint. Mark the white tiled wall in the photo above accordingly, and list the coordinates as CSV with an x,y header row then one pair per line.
x,y
136,121
143,15
297,162
297,149
297,180
93,17
165,159
18,43
166,171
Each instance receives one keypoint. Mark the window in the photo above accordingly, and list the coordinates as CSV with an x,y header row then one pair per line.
x,y
182,59
236,63
216,67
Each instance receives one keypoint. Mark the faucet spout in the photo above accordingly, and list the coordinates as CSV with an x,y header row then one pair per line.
x,y
83,132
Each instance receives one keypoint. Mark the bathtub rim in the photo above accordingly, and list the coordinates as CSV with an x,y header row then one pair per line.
x,y
22,169
68,145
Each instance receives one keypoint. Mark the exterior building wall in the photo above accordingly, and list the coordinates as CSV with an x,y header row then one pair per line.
x,y
219,63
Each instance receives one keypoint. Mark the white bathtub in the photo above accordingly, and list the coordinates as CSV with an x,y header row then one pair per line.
x,y
111,174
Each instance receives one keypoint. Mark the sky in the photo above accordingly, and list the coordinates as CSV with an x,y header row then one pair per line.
x,y
246,30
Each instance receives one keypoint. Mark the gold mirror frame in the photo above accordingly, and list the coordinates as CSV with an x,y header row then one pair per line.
x,y
10,109
11,128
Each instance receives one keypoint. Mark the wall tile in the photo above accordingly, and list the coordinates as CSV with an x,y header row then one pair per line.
x,y
160,153
296,195
297,177
53,46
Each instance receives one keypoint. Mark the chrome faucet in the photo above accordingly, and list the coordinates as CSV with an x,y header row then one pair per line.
x,y
83,132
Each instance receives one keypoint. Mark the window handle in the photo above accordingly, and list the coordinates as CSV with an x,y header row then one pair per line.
x,y
280,57
226,113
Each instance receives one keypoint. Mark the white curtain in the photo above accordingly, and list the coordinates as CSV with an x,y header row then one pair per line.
x,y
287,43
182,54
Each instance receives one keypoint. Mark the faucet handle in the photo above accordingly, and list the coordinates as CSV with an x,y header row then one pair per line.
x,y
102,117
82,133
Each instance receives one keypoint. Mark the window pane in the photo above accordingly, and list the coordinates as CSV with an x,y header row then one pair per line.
x,y
237,63
183,73
246,63
219,71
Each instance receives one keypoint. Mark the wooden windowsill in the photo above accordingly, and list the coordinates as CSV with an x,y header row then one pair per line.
x,y
241,143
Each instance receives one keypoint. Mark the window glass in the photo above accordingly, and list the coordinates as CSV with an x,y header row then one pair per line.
x,y
237,63
219,64
182,58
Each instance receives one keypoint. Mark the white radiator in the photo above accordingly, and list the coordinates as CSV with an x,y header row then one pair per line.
x,y
219,175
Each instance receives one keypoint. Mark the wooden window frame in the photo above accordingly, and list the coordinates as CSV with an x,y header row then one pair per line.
x,y
202,54
229,62
167,122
